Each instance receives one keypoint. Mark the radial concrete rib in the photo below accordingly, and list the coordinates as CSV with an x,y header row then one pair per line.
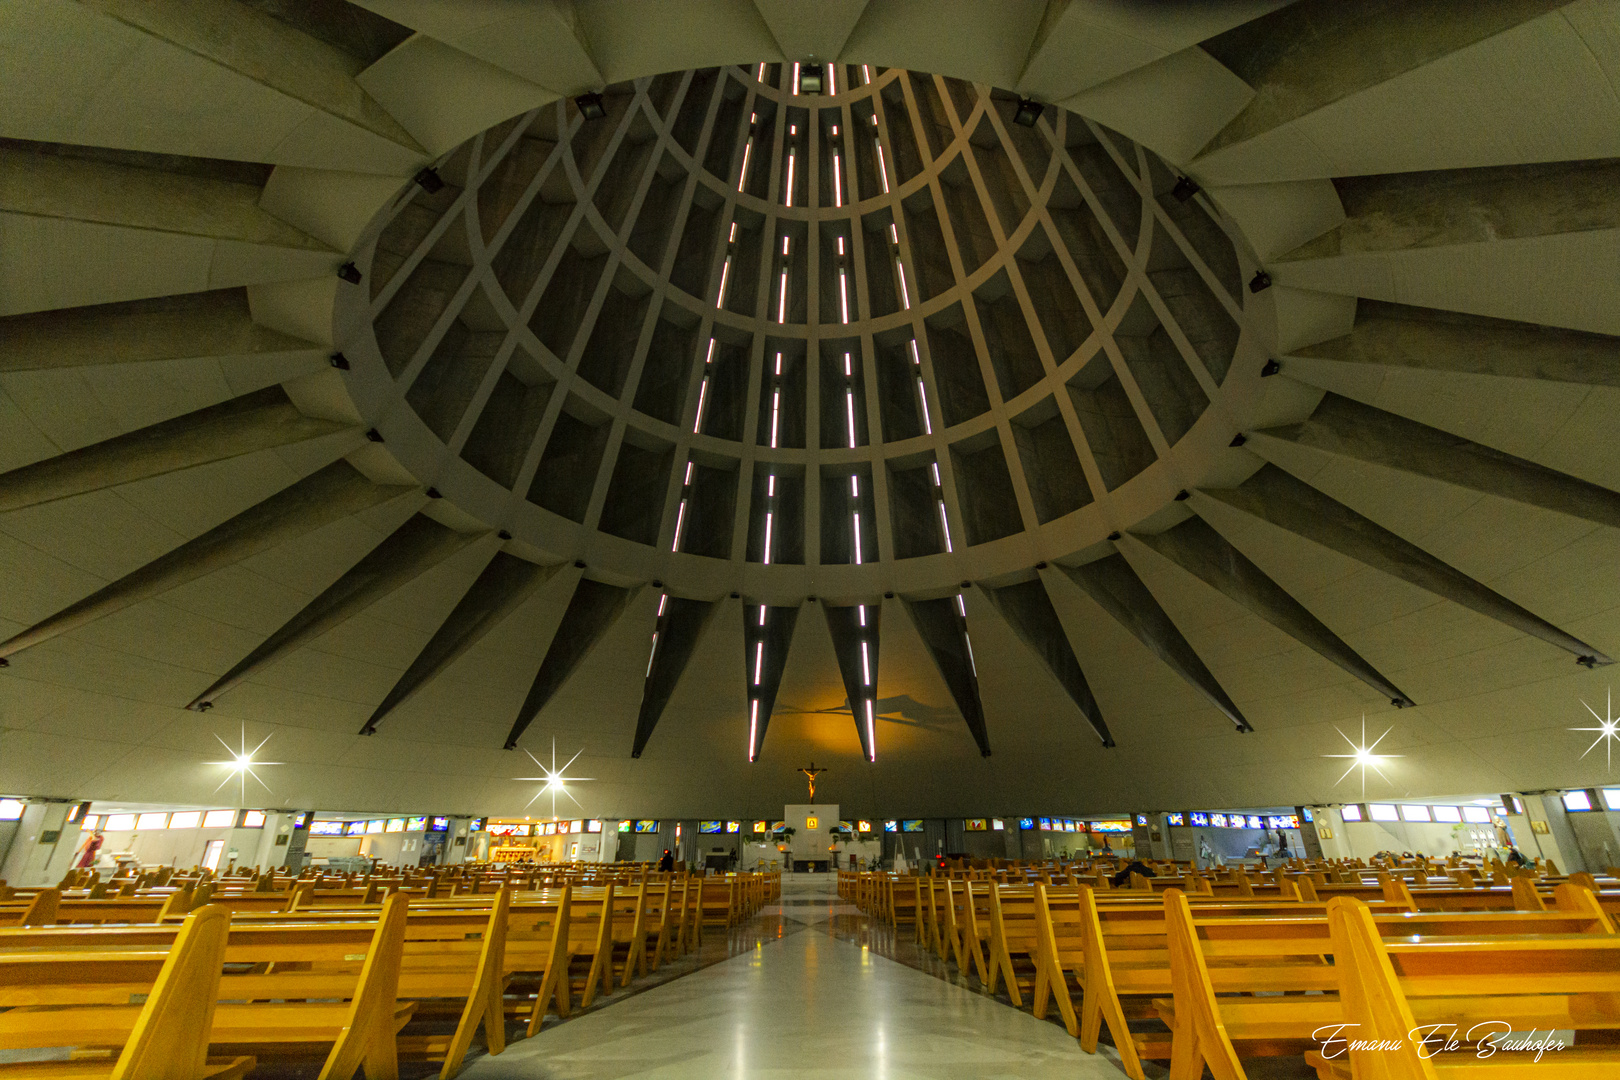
x,y
215,323
1204,553
1448,207
594,607
1117,590
268,51
678,631
1398,335
1315,52
334,492
257,421
1348,428
944,632
851,627
764,661
1029,611
1289,503
409,551
506,582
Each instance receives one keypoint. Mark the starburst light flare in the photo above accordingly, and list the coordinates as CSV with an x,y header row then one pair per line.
x,y
1608,729
1363,757
555,779
242,764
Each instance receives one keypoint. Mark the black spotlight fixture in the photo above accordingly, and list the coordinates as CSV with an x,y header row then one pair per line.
x,y
579,564
591,106
1186,187
350,273
1113,536
1040,566
1584,661
1260,282
810,78
4,662
434,493
204,706
429,181
736,596
888,596
504,535
1183,495
339,361
1238,440
374,435
1029,111
657,584
1271,368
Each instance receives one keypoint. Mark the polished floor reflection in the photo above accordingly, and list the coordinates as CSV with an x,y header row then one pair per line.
x,y
802,1001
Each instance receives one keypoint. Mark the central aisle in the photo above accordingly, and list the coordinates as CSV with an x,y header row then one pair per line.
x,y
802,1004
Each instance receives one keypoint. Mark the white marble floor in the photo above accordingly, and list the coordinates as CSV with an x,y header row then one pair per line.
x,y
803,1005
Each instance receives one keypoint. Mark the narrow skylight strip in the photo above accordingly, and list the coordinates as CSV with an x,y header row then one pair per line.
x,y
709,358
848,369
857,538
866,71
689,467
832,85
854,487
703,393
779,364
759,660
866,665
905,293
753,726
935,466
945,523
767,542
883,169
795,80
922,396
849,409
732,239
916,358
838,179
759,76
894,233
652,654
663,602
762,614
961,605
725,273
971,662
788,195
871,737
843,295
680,523
776,414
781,300
748,152
770,485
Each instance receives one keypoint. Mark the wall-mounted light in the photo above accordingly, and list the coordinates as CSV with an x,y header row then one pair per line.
x,y
429,181
1029,111
591,106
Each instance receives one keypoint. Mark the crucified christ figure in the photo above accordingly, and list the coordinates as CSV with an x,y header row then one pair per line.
x,y
811,773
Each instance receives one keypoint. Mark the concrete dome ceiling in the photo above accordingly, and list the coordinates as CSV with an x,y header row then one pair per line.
x,y
866,422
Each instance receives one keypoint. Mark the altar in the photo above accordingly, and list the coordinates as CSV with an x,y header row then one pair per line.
x,y
809,848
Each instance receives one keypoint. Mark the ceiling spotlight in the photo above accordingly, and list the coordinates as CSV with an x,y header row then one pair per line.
x,y
350,273
339,361
4,662
374,435
590,106
1238,440
1113,536
1186,187
809,78
1029,111
1270,368
1260,282
1586,661
579,564
1183,495
204,706
434,493
429,181
504,535
736,596
888,596
657,584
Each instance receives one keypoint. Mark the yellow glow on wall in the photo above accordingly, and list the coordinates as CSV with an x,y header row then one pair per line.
x,y
812,823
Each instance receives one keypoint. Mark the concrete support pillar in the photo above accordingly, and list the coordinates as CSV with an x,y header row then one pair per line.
x,y
44,843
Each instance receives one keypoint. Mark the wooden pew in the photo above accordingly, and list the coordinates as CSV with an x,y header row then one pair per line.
x,y
1382,984
310,999
168,1038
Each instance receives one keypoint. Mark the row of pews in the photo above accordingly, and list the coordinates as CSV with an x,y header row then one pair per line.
x,y
1389,971
190,976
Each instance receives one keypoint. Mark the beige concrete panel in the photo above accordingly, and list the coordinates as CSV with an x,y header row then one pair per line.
x,y
631,38
538,40
323,141
236,263
1206,96
443,96
1277,218
1564,280
301,309
1306,317
48,263
804,31
980,42
333,207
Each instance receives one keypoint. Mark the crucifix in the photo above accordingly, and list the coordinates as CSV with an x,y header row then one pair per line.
x,y
812,772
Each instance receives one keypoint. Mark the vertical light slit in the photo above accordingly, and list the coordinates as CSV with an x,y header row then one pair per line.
x,y
883,169
781,300
753,727
866,665
838,180
663,602
762,614
871,737
680,523
857,538
946,525
703,394
905,293
922,396
652,654
849,409
843,295
759,660
776,408
795,80
725,272
788,197
767,538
